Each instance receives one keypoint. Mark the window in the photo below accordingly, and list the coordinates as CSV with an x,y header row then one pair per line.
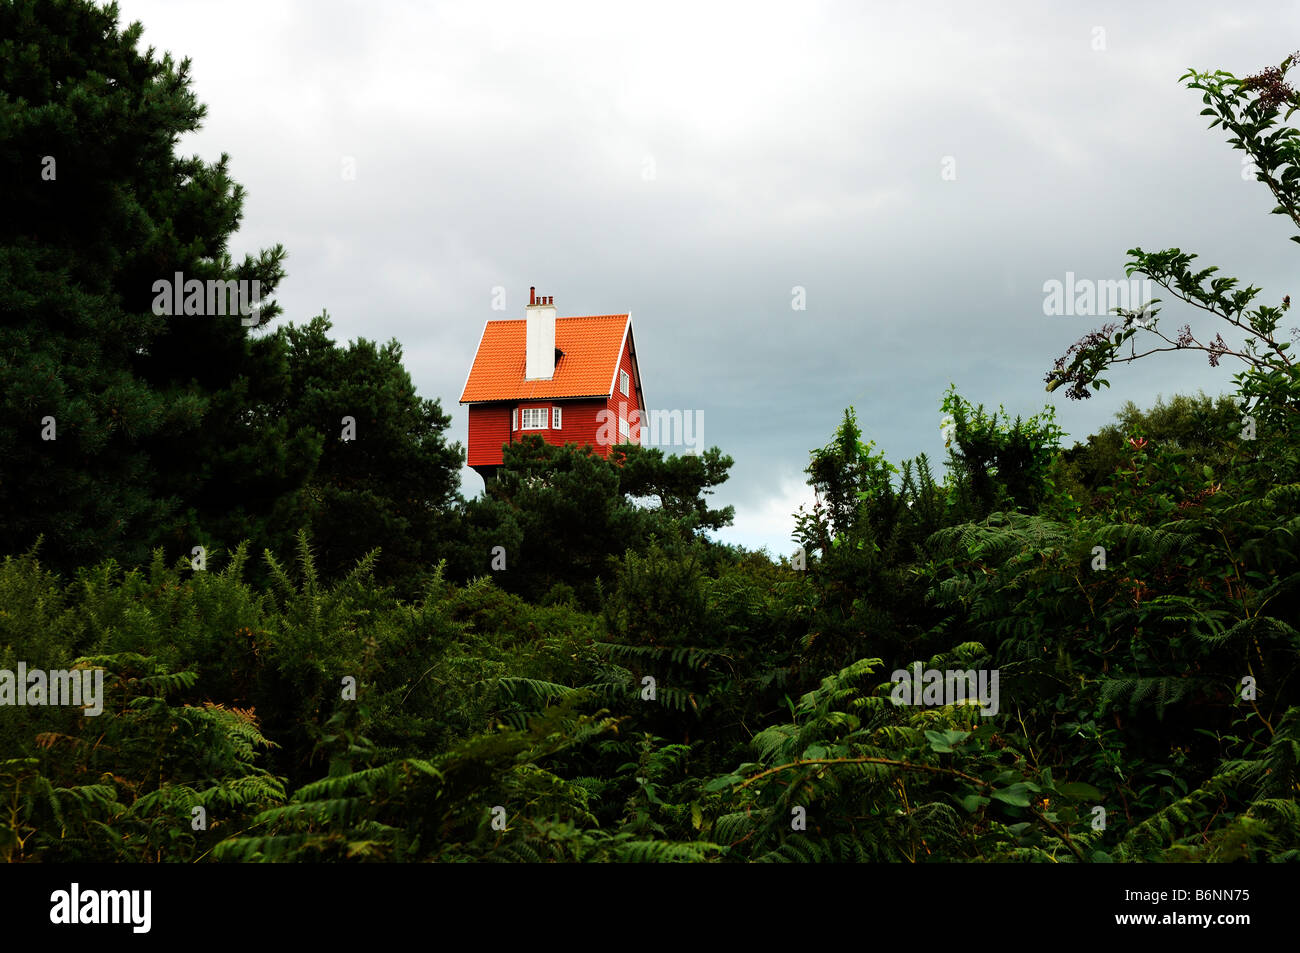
x,y
622,429
623,382
534,418
555,418
514,419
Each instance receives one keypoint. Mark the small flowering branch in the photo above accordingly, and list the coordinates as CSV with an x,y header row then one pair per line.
x,y
1082,365
1248,108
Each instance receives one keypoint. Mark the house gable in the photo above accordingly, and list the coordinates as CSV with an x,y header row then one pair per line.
x,y
630,406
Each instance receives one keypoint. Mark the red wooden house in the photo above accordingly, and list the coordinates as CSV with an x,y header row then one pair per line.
x,y
569,380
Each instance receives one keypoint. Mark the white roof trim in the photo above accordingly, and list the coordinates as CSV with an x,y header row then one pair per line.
x,y
618,358
636,366
472,362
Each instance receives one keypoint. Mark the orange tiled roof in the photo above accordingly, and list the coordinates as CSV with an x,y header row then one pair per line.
x,y
591,346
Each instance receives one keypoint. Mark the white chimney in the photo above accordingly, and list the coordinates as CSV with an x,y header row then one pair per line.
x,y
539,329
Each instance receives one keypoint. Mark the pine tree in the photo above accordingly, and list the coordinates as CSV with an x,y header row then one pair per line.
x,y
121,427
387,477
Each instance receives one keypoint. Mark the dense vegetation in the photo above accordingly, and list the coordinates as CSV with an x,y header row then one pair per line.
x,y
349,673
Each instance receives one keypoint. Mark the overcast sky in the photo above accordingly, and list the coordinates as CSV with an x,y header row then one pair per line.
x,y
919,173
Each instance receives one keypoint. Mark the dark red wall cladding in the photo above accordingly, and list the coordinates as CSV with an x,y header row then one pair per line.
x,y
489,427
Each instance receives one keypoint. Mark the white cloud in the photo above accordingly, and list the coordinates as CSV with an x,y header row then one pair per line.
x,y
769,522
